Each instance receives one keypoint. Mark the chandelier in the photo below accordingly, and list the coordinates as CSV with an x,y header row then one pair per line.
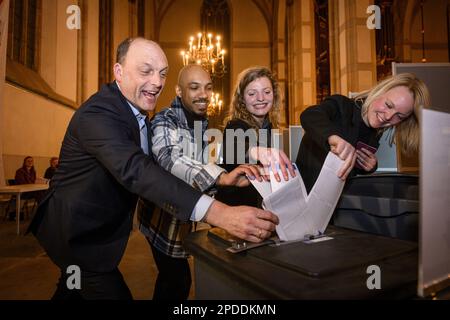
x,y
215,105
205,53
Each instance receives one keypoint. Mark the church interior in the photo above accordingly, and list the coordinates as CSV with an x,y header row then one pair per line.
x,y
55,54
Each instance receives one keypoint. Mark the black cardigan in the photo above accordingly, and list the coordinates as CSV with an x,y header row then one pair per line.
x,y
236,196
336,115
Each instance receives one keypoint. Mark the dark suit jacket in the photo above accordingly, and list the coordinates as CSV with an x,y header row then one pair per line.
x,y
87,216
336,115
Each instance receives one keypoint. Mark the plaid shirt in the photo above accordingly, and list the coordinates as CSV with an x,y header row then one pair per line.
x,y
175,149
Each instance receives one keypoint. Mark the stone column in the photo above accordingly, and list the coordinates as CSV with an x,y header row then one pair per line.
x,y
301,58
352,47
279,59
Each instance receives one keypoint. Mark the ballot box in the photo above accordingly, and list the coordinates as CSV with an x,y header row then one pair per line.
x,y
384,204
347,266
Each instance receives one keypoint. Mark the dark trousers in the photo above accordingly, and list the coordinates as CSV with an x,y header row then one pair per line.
x,y
94,286
174,277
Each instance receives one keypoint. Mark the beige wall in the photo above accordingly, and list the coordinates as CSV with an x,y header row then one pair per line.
x,y
32,125
250,38
47,68
58,49
90,29
174,37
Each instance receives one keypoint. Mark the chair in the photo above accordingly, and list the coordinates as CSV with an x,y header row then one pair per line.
x,y
25,207
6,201
5,205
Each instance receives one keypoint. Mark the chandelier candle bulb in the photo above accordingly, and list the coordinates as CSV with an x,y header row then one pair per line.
x,y
206,53
218,43
215,105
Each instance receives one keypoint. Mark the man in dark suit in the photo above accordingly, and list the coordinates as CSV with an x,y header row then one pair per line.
x,y
86,218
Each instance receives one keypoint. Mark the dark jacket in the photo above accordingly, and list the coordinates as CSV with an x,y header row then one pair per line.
x,y
87,216
49,172
25,177
336,115
235,196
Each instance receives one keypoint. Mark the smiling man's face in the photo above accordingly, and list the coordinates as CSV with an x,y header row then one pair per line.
x,y
195,89
142,74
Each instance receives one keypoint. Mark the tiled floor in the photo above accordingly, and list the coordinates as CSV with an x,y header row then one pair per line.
x,y
27,273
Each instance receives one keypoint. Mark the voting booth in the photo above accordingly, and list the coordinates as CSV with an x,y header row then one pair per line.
x,y
378,222
308,259
388,204
336,269
384,204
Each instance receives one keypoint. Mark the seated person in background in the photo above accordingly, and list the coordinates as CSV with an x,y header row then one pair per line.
x,y
51,170
173,141
338,123
255,105
26,174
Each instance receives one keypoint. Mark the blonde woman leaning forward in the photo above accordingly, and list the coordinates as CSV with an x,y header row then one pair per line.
x,y
339,123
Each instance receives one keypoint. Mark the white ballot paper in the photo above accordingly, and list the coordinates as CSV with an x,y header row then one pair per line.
x,y
302,214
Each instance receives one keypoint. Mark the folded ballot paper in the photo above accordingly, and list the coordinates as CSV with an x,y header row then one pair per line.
x,y
303,214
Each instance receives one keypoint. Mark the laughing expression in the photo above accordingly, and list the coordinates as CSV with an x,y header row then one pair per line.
x,y
142,75
391,108
195,89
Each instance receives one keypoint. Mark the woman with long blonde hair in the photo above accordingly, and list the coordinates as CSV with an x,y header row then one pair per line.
x,y
340,124
254,110
241,107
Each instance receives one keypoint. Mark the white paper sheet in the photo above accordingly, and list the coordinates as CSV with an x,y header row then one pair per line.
x,y
301,214
262,187
276,185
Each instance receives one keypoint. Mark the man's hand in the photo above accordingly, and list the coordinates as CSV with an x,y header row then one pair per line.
x,y
346,152
248,223
269,157
366,159
238,177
